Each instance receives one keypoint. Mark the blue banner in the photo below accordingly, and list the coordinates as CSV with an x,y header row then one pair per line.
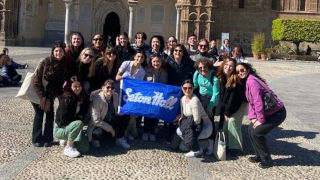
x,y
154,100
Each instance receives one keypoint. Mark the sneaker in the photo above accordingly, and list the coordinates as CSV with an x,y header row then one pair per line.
x,y
122,142
145,137
210,148
62,142
254,159
266,164
71,152
192,154
152,137
130,137
96,143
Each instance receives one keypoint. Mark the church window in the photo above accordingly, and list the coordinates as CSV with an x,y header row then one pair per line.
x,y
241,3
274,4
302,5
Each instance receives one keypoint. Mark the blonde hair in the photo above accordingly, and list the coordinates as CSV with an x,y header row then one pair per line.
x,y
81,58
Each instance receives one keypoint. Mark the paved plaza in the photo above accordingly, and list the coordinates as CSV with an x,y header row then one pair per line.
x,y
295,146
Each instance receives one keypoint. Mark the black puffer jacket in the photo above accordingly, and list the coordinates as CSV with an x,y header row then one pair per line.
x,y
66,112
179,72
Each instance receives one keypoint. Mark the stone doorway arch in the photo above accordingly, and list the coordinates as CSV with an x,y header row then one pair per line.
x,y
111,28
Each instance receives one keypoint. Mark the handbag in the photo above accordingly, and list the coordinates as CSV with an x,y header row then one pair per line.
x,y
27,91
269,102
219,148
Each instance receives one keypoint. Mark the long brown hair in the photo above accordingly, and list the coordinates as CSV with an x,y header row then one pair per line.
x,y
233,80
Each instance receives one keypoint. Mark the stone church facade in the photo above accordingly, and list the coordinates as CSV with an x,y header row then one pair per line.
x,y
40,22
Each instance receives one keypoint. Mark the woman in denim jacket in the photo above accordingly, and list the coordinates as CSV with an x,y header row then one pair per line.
x,y
263,119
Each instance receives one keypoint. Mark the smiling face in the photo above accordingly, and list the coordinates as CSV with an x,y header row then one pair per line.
x,y
242,71
178,53
155,44
203,47
171,43
187,89
110,56
76,40
87,57
138,59
228,68
192,41
156,63
203,69
139,40
58,53
108,90
76,88
97,41
123,40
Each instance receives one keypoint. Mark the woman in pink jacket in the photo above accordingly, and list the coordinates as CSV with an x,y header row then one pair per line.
x,y
266,111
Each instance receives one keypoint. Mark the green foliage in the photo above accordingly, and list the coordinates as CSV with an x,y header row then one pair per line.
x,y
257,45
296,30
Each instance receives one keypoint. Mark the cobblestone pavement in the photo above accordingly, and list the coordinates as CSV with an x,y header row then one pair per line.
x,y
295,146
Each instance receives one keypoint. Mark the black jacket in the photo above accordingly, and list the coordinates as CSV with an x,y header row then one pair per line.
x,y
66,112
179,72
231,99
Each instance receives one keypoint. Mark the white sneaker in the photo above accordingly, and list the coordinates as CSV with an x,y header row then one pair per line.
x,y
130,137
152,137
210,148
122,142
71,152
96,143
145,137
192,154
62,142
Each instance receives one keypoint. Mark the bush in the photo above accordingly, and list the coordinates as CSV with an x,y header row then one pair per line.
x,y
257,45
296,30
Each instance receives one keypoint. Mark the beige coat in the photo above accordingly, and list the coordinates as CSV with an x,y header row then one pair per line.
x,y
99,110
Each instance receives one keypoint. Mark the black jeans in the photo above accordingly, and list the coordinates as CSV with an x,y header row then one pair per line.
x,y
190,132
257,135
205,100
47,135
150,125
119,124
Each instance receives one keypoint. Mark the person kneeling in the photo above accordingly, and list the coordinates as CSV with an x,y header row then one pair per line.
x,y
190,128
104,118
72,110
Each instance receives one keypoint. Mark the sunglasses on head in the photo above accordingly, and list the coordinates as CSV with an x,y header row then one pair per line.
x,y
110,87
187,88
98,39
88,55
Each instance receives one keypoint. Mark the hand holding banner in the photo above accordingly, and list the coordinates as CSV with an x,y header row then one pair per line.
x,y
154,100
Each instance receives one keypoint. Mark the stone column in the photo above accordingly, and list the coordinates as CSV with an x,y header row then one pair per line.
x,y
178,22
131,4
67,22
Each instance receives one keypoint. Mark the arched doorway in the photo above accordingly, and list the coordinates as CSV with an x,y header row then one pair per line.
x,y
111,28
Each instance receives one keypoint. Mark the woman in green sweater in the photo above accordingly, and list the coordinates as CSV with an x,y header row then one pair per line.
x,y
205,80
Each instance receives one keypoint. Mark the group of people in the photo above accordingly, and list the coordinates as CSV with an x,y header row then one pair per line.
x,y
9,75
86,82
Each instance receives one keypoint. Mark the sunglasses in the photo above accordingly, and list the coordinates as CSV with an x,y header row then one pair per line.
x,y
110,87
203,46
241,71
88,55
111,54
187,88
178,50
98,39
